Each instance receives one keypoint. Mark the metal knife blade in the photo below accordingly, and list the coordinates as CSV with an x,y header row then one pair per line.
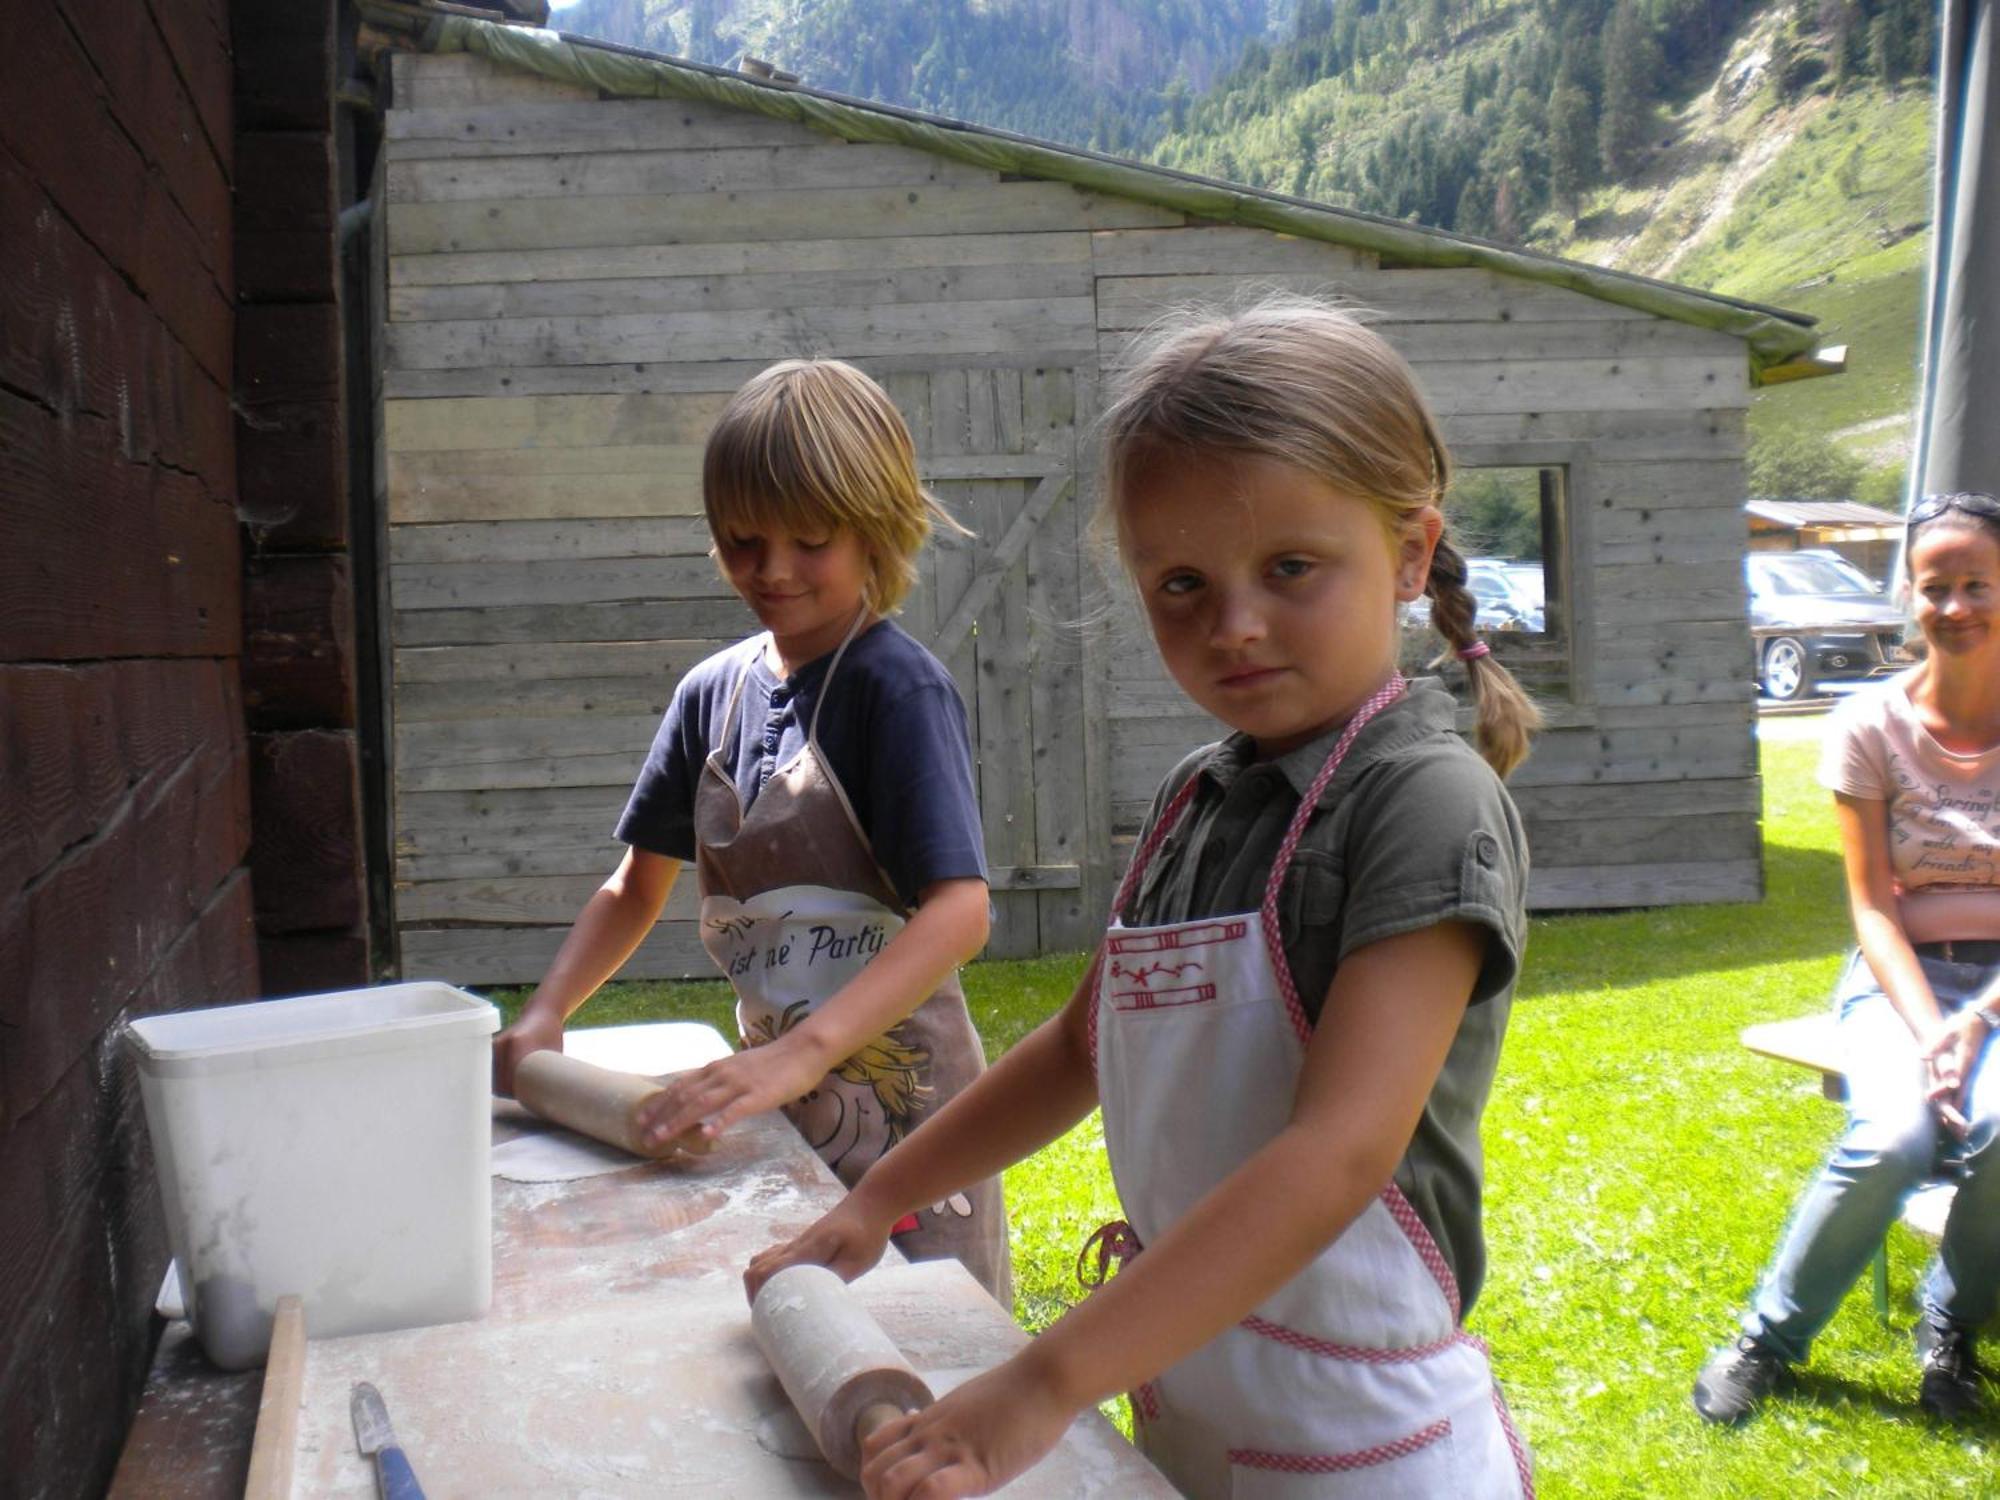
x,y
371,1420
377,1439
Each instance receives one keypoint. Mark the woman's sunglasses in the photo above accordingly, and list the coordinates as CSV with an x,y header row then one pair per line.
x,y
1972,502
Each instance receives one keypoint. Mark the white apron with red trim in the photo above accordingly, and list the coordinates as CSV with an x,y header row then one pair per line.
x,y
1355,1378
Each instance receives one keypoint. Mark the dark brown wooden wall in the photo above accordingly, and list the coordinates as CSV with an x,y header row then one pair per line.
x,y
124,767
293,148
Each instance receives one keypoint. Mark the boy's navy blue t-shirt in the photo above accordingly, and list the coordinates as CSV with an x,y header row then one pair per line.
x,y
893,731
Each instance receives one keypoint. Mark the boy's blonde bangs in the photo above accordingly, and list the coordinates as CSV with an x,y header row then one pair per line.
x,y
812,446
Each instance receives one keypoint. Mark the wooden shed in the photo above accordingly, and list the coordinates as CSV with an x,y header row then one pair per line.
x,y
586,249
1862,534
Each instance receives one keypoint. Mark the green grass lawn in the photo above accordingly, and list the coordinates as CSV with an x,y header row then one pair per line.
x,y
1640,1165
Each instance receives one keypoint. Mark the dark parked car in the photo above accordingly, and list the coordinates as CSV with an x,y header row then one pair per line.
x,y
1815,615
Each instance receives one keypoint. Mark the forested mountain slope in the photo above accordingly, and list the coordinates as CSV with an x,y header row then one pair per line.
x,y
1085,72
1776,152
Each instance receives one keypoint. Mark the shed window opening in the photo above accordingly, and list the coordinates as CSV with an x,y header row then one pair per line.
x,y
1508,525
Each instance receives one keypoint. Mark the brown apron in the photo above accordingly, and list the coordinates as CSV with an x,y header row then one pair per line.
x,y
793,906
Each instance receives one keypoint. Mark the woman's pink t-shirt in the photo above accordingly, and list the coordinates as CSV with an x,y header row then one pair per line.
x,y
1944,811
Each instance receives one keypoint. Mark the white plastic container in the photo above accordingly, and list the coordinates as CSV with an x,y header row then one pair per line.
x,y
336,1146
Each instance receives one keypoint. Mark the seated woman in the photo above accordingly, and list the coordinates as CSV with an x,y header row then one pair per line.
x,y
1914,766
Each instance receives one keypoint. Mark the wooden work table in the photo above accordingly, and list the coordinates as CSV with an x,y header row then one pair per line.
x,y
616,1358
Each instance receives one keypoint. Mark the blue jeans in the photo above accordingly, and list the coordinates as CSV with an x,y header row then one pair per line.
x,y
1892,1143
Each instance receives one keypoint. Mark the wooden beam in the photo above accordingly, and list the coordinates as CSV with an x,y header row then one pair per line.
x,y
996,564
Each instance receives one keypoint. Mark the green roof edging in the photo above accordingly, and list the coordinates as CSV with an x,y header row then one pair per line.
x,y
1771,334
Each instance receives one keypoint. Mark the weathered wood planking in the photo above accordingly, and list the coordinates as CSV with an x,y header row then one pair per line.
x,y
1456,295
1551,804
657,620
1690,836
1056,703
1006,655
552,369
521,955
464,754
451,81
503,664
1026,324
608,580
1586,887
552,421
737,291
537,698
1642,487
1493,387
534,129
801,257
530,900
497,832
1217,251
1649,593
691,218
815,164
424,493
547,541
1623,435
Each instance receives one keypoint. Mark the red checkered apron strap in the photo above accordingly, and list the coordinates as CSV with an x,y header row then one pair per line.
x,y
1170,815
1382,697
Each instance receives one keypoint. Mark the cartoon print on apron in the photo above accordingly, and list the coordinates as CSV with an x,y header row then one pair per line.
x,y
1354,1378
788,947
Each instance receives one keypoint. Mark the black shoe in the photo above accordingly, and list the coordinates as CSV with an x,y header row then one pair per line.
x,y
1736,1378
1950,1385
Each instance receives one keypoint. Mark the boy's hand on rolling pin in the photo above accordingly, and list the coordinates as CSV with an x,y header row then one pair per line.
x,y
974,1440
847,1240
718,1095
530,1033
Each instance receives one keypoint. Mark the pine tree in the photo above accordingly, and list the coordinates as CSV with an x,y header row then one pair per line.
x,y
1506,221
1631,69
1847,177
1572,144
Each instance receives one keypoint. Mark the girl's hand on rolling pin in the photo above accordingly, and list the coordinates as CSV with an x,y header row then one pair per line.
x,y
847,1240
718,1095
976,1439
530,1033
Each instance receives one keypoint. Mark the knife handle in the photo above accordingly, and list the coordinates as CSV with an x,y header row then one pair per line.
x,y
394,1476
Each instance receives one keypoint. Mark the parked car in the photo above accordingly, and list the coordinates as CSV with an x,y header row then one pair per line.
x,y
1505,597
1509,592
1814,615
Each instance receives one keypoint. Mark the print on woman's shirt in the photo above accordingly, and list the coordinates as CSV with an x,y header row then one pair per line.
x,y
1956,830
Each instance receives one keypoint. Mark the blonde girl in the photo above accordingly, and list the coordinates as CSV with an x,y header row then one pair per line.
x,y
819,777
1293,1021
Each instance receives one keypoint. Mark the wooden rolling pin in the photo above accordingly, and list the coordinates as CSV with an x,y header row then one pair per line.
x,y
598,1102
836,1364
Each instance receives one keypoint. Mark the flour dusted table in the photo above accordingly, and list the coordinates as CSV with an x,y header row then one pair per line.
x,y
616,1359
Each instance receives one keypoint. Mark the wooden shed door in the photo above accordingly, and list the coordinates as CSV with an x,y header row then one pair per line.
x,y
1005,612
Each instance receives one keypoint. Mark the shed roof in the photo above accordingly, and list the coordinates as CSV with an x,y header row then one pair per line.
x,y
1772,335
1789,513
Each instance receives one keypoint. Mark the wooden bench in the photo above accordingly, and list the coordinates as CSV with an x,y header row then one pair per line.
x,y
1813,1042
